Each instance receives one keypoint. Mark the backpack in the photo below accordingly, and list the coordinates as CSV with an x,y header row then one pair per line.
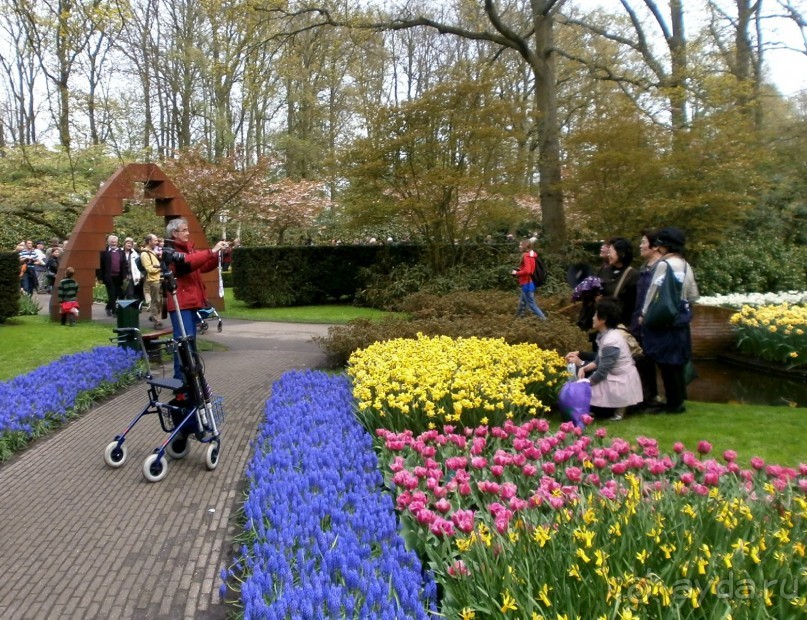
x,y
539,273
139,265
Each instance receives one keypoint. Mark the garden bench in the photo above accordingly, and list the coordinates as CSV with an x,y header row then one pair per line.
x,y
150,342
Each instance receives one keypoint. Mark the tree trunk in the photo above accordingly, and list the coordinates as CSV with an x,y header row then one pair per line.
x,y
546,104
678,68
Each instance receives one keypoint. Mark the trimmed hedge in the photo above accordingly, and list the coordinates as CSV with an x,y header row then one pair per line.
x,y
306,275
461,314
9,285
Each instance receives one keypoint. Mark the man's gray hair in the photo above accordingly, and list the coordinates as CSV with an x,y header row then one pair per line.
x,y
174,225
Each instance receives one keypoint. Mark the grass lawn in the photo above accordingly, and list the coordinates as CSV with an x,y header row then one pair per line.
x,y
27,342
334,314
773,433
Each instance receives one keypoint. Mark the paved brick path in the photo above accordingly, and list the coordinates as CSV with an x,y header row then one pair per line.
x,y
81,540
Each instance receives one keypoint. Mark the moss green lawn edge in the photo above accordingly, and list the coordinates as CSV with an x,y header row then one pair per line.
x,y
328,314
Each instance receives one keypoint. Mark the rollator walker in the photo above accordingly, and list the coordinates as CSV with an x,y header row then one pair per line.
x,y
186,409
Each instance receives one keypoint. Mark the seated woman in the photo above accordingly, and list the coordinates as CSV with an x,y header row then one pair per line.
x,y
615,383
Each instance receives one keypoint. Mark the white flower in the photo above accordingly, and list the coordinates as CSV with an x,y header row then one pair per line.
x,y
738,300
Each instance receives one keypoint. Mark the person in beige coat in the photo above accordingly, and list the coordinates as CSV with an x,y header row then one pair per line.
x,y
152,290
615,382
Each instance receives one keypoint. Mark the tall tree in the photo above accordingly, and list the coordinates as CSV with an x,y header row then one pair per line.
x,y
21,73
527,29
54,32
739,43
668,69
438,165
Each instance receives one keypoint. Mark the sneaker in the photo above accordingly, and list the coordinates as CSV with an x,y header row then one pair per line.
x,y
618,415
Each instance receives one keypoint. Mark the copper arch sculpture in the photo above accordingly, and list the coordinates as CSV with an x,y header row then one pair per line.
x,y
89,234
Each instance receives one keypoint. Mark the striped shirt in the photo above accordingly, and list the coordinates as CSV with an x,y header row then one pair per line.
x,y
68,289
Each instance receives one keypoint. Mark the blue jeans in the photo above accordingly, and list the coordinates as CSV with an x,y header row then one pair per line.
x,y
189,322
527,301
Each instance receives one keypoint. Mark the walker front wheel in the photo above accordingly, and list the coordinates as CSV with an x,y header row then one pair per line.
x,y
212,456
115,455
154,469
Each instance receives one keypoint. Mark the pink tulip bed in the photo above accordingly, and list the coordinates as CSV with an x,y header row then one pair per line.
x,y
528,519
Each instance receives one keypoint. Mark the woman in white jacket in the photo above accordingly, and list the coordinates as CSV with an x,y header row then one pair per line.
x,y
670,347
132,271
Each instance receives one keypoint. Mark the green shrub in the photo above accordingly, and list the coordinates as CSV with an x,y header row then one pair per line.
x,y
9,285
483,314
227,278
99,295
425,305
29,306
387,290
751,265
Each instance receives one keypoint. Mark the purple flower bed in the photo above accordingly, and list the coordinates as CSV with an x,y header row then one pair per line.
x,y
33,402
322,533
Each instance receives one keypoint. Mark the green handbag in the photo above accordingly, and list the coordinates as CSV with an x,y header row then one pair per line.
x,y
666,303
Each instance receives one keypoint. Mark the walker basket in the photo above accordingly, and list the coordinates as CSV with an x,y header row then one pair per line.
x,y
171,418
217,406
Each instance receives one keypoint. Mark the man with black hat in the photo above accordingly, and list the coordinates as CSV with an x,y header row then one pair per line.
x,y
670,346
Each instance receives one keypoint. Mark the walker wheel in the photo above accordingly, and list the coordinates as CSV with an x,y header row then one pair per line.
x,y
115,455
154,470
202,327
212,456
178,448
219,326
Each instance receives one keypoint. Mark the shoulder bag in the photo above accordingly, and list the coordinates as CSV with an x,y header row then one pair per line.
x,y
667,304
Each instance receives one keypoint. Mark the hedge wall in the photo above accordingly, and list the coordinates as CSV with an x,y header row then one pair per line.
x,y
9,285
306,275
310,275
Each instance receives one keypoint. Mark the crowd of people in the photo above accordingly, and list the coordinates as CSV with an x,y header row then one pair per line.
x,y
38,265
628,354
127,271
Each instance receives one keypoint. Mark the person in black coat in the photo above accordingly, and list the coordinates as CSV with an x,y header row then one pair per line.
x,y
112,273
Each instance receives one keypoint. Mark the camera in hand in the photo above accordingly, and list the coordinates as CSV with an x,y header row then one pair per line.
x,y
170,254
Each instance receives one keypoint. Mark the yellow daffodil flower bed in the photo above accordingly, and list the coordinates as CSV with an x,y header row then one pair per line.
x,y
773,333
427,381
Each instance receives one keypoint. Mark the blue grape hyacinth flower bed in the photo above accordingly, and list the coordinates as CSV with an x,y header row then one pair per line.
x,y
34,403
321,535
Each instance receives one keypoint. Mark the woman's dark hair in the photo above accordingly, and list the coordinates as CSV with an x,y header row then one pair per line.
x,y
609,309
652,236
623,249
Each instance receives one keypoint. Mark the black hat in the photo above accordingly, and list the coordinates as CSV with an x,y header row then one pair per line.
x,y
670,236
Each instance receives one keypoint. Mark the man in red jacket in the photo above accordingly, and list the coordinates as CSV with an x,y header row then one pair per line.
x,y
524,275
187,263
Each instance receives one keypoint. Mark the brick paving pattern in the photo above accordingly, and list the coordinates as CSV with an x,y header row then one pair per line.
x,y
82,540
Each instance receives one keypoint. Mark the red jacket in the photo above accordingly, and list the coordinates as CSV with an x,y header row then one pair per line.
x,y
526,267
191,291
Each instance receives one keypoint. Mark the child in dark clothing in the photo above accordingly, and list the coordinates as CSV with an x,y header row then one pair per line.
x,y
68,291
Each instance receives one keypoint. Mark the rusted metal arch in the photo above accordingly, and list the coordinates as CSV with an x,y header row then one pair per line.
x,y
97,221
